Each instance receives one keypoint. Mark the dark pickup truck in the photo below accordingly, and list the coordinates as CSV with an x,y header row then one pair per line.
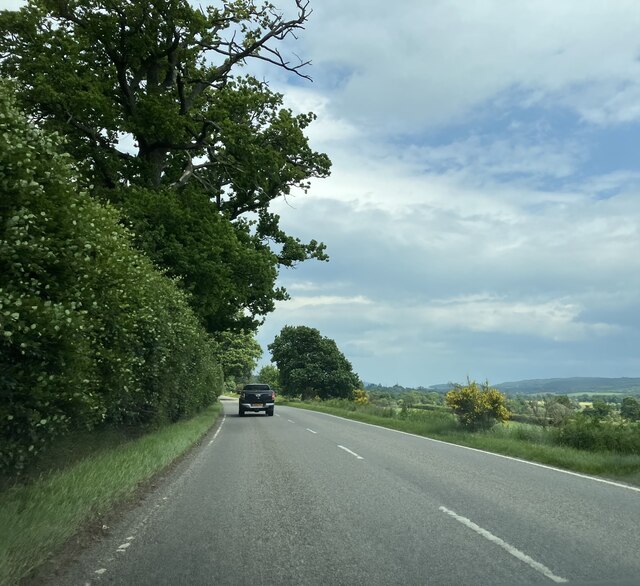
x,y
256,397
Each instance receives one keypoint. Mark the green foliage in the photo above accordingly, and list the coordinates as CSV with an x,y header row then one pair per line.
x,y
385,395
477,406
238,353
163,73
162,76
564,400
587,432
230,385
630,409
550,410
269,375
413,421
598,410
229,272
312,365
90,332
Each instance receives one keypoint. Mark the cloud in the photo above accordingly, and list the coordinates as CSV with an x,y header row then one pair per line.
x,y
429,64
552,319
11,4
556,319
299,302
471,261
511,155
438,340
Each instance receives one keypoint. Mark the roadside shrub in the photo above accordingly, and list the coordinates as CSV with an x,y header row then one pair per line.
x,y
439,408
598,410
630,409
341,403
585,432
477,406
529,419
360,397
90,332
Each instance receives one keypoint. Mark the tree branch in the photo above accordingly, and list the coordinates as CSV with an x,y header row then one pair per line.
x,y
233,53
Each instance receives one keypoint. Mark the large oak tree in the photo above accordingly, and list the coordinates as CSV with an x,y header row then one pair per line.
x,y
147,96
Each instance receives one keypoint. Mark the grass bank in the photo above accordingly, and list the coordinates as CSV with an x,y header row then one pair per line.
x,y
524,441
38,517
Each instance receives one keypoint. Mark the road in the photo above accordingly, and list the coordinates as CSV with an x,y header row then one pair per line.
x,y
307,498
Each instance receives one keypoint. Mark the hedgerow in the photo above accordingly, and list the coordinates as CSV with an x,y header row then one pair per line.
x,y
90,331
593,434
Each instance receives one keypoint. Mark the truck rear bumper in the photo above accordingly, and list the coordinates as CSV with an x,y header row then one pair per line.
x,y
256,406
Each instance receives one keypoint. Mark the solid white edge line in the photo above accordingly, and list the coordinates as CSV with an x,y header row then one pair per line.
x,y
311,431
578,474
523,557
352,453
215,435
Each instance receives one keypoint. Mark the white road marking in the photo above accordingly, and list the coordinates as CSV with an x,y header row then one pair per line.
x,y
124,546
430,439
289,420
350,452
100,571
277,415
523,557
311,431
215,435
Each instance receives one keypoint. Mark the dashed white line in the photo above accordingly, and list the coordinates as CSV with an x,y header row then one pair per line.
x,y
311,431
100,571
350,452
504,545
289,420
277,415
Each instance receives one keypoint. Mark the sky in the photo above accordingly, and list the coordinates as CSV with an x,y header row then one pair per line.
x,y
483,210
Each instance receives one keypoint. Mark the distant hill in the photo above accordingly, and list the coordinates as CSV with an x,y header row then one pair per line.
x,y
563,386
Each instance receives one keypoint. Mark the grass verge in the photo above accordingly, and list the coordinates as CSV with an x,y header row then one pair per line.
x,y
39,517
517,440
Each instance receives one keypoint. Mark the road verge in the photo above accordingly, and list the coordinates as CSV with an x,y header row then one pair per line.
x,y
38,518
515,440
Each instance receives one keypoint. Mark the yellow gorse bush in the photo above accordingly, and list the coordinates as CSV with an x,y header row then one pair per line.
x,y
360,397
477,406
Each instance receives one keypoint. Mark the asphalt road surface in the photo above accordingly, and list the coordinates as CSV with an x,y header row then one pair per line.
x,y
307,498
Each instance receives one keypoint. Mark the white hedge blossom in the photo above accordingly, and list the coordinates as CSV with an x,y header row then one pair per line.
x,y
90,331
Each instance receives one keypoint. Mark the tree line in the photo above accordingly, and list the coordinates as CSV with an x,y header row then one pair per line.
x,y
138,251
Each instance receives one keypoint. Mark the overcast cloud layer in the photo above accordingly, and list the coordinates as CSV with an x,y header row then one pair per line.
x,y
482,215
